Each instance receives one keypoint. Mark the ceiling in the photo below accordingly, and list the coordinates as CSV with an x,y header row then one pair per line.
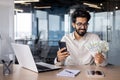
x,y
97,5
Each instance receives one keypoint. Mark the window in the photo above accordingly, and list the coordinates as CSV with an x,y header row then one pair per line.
x,y
23,25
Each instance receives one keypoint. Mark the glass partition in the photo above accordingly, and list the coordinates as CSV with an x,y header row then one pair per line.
x,y
50,24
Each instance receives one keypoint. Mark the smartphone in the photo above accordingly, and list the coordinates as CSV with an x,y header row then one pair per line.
x,y
98,72
62,45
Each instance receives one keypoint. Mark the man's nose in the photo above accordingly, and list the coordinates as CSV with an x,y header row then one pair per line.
x,y
82,27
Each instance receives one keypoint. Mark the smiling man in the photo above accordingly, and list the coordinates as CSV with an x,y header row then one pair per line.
x,y
76,53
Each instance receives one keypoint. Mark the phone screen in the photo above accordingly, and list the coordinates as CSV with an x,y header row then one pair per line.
x,y
62,45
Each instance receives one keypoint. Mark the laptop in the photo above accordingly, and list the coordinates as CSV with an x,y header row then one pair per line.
x,y
26,60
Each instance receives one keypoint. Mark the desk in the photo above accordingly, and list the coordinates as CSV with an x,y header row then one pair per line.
x,y
111,73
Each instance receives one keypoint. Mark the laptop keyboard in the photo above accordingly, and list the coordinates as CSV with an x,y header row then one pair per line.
x,y
42,67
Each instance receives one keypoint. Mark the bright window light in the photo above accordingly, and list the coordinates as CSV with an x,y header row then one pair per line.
x,y
23,25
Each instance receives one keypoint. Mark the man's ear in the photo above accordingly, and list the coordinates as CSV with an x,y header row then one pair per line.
x,y
73,24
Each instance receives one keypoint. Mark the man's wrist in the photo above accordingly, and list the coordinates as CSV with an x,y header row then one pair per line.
x,y
57,59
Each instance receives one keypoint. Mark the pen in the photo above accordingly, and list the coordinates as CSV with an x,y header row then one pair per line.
x,y
10,63
7,66
69,71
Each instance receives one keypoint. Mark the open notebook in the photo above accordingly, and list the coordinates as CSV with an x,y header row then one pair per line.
x,y
25,59
69,73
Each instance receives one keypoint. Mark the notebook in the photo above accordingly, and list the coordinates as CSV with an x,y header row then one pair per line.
x,y
69,73
26,60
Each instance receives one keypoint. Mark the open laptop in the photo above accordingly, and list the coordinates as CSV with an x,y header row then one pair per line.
x,y
25,59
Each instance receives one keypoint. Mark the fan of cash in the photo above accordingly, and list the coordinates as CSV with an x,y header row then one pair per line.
x,y
98,46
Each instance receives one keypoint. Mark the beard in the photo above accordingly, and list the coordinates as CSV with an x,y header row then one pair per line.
x,y
81,33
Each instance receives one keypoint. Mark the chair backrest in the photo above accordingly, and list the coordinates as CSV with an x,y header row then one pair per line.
x,y
44,49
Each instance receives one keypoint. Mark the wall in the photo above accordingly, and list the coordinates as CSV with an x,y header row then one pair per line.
x,y
6,26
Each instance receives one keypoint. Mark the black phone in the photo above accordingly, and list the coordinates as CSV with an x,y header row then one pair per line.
x,y
62,45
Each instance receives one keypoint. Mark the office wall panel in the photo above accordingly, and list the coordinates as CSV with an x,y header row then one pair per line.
x,y
6,27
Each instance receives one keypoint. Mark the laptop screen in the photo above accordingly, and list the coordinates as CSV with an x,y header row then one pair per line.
x,y
25,59
24,56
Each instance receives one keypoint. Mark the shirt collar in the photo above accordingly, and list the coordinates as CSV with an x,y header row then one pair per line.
x,y
73,36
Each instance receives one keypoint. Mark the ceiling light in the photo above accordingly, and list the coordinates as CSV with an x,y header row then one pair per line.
x,y
116,7
18,10
23,1
19,1
40,7
101,4
26,3
92,5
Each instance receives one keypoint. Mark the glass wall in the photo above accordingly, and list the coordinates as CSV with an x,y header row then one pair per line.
x,y
42,24
115,39
23,25
49,25
106,25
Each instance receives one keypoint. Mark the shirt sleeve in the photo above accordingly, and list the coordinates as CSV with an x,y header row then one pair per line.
x,y
58,63
104,63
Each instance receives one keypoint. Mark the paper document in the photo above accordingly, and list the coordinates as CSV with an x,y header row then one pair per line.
x,y
69,73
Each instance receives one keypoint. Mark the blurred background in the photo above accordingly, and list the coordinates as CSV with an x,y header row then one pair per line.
x,y
42,23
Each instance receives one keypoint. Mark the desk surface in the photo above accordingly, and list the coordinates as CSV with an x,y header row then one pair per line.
x,y
111,73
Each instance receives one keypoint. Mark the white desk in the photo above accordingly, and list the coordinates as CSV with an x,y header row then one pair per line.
x,y
111,73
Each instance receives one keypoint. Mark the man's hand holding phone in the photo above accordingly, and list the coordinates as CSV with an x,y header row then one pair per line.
x,y
62,53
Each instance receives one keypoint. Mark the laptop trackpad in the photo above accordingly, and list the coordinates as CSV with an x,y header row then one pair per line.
x,y
40,67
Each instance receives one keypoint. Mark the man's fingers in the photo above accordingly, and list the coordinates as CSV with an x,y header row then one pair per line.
x,y
62,49
99,55
99,58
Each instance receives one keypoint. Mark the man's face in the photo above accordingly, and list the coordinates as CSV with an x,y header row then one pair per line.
x,y
80,26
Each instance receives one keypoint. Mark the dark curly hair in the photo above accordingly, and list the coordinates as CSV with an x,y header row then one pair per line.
x,y
80,13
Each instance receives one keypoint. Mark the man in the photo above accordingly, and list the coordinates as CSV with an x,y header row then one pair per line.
x,y
76,53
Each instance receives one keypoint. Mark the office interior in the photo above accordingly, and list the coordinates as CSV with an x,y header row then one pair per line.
x,y
42,23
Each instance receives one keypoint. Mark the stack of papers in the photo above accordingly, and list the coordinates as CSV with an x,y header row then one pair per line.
x,y
69,73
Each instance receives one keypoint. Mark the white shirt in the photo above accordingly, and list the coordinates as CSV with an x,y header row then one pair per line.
x,y
79,55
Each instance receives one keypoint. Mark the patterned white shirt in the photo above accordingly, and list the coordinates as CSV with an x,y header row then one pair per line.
x,y
79,55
